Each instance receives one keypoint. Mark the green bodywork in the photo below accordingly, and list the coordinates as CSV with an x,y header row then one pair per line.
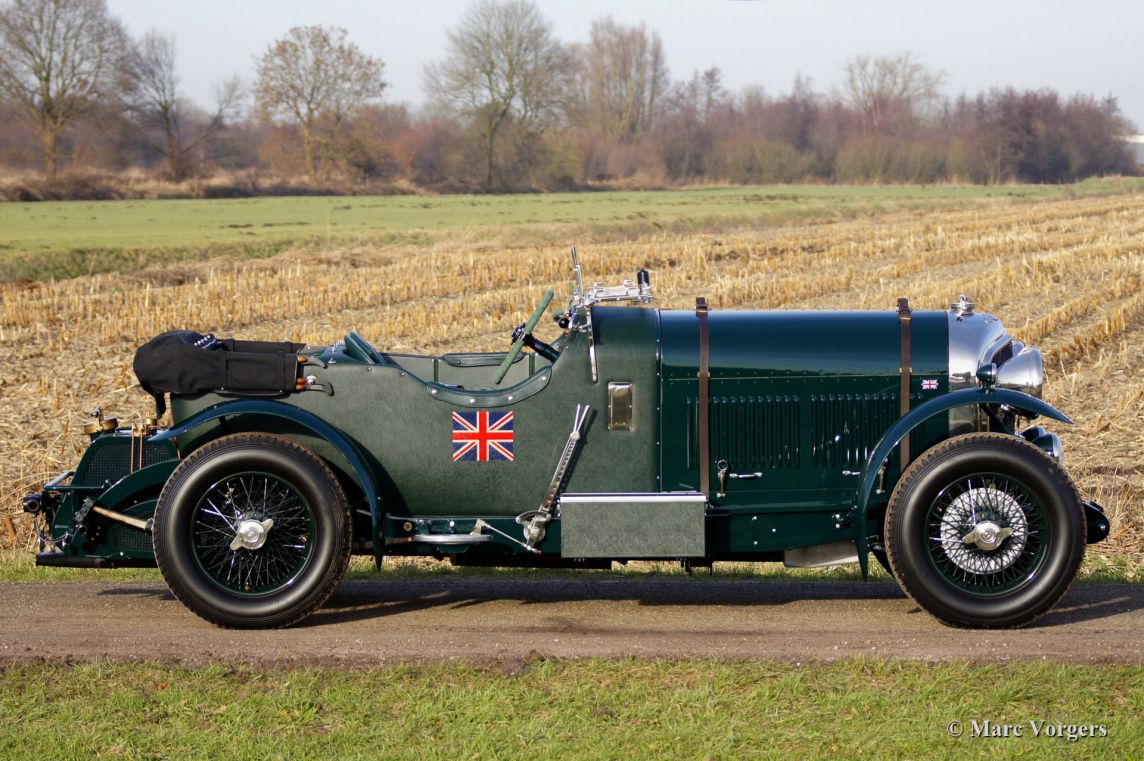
x,y
805,424
105,477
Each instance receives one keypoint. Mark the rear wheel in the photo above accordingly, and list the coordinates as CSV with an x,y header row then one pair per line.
x,y
985,530
252,531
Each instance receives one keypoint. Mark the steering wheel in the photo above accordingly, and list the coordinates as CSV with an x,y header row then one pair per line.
x,y
514,352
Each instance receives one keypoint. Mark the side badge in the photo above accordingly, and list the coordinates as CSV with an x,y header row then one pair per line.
x,y
482,436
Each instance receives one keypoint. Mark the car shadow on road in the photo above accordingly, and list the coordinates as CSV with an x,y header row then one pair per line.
x,y
364,600
1091,602
158,592
359,600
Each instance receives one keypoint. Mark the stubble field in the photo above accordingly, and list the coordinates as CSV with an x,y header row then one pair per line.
x,y
1064,274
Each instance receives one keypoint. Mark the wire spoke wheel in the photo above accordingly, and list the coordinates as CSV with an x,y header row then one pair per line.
x,y
985,530
251,532
987,533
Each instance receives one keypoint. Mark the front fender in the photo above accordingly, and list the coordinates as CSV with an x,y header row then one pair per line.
x,y
306,419
913,419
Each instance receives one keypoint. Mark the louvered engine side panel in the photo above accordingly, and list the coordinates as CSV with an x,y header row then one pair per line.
x,y
759,432
845,428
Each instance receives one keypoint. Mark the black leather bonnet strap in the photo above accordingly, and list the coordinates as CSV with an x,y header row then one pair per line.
x,y
704,396
905,315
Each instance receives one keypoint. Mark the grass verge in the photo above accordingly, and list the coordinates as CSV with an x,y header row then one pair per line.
x,y
572,709
16,565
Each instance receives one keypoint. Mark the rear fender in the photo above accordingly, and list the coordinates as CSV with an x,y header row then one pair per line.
x,y
336,439
860,513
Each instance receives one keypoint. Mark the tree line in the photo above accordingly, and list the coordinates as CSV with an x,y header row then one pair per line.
x,y
510,107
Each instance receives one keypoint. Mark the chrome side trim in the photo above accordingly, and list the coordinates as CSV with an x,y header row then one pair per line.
x,y
650,498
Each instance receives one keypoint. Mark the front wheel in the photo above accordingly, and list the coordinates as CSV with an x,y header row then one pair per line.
x,y
252,531
986,531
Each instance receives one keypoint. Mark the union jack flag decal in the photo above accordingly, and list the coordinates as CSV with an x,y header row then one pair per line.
x,y
482,436
929,384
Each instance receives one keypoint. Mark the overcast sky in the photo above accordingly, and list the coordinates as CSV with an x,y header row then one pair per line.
x,y
1093,46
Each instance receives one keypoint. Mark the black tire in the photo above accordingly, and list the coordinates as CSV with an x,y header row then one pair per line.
x,y
291,509
990,579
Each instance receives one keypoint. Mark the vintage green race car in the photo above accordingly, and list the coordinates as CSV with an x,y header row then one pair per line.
x,y
809,438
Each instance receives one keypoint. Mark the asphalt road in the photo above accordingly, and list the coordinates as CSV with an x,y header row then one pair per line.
x,y
499,619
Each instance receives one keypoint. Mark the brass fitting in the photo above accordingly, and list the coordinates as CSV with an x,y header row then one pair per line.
x,y
100,424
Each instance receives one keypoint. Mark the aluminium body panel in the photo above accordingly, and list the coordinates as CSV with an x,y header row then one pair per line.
x,y
630,526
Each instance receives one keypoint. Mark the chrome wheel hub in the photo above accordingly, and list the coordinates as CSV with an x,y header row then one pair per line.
x,y
251,534
987,535
983,530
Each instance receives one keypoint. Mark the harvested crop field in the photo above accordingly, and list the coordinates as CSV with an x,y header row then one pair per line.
x,y
1063,275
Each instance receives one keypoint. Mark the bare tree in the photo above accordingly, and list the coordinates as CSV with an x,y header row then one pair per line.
x,y
891,92
624,78
692,112
503,66
56,58
316,79
168,122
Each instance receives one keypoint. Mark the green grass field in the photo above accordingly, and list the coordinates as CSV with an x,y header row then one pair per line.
x,y
67,239
571,709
